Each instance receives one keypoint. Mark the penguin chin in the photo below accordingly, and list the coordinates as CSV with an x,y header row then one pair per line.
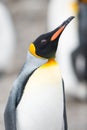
x,y
50,56
46,56
47,53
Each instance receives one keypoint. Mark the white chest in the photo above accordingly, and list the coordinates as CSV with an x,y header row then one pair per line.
x,y
41,106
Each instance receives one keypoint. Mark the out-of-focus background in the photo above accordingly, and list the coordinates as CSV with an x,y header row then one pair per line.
x,y
21,21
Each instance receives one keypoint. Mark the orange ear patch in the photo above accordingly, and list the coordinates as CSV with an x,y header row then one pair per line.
x,y
32,50
56,34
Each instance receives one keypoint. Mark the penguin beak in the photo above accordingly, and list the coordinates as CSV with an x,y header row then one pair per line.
x,y
56,33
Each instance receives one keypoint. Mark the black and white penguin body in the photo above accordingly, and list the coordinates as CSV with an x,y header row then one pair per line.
x,y
37,100
41,105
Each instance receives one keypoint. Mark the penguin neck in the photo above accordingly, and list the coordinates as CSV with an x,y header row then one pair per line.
x,y
34,61
50,62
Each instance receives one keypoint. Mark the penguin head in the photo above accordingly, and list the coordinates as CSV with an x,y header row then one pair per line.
x,y
45,45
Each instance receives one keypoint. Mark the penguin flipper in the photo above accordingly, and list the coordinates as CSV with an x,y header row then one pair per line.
x,y
10,112
64,113
14,99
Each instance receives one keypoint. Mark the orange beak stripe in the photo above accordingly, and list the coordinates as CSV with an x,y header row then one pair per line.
x,y
56,34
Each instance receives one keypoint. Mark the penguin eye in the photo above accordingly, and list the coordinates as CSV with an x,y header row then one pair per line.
x,y
44,41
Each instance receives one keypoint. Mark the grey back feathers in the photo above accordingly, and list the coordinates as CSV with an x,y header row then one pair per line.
x,y
30,65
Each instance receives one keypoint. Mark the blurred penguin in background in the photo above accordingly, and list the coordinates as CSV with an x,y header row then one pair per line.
x,y
57,12
7,40
79,55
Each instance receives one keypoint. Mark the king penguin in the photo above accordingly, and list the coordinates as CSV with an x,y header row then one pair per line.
x,y
37,99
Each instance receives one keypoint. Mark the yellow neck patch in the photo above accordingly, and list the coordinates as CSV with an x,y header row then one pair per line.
x,y
51,62
75,7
